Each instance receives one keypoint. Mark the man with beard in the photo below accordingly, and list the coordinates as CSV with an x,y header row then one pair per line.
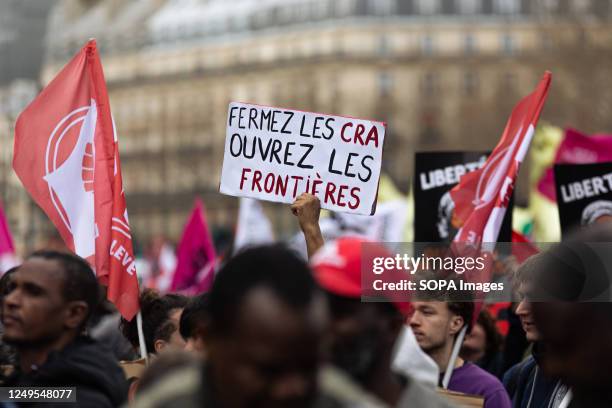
x,y
572,311
44,311
363,335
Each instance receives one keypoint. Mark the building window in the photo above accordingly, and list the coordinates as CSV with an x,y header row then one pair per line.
x,y
302,12
428,7
470,44
581,6
429,84
546,42
550,5
385,84
470,83
344,8
468,6
321,9
382,7
285,14
427,45
507,6
405,8
509,82
384,48
429,132
508,44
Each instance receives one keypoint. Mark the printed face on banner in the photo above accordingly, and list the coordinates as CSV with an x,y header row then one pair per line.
x,y
584,194
276,154
436,173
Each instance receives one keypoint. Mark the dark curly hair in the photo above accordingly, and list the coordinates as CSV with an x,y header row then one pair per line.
x,y
5,280
494,338
156,323
80,282
194,314
274,267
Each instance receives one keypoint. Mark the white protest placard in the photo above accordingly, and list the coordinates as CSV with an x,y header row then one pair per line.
x,y
276,154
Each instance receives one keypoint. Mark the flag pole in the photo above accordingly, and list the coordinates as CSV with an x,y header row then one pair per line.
x,y
453,357
141,339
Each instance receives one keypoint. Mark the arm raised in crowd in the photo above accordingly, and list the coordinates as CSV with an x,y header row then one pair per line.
x,y
307,209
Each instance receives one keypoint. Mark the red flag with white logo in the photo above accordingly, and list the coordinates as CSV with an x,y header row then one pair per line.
x,y
481,197
67,157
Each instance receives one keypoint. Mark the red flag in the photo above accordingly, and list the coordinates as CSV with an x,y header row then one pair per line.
x,y
67,157
481,197
522,247
196,255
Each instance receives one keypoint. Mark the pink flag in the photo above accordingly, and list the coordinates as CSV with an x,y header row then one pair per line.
x,y
576,148
67,157
8,259
196,255
481,197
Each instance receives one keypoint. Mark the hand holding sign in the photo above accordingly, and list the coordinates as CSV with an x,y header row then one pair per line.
x,y
277,154
307,209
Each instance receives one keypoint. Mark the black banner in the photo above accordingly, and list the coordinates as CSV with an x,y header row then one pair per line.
x,y
436,173
584,194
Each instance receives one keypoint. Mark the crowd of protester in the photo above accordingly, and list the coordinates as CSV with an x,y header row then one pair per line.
x,y
277,330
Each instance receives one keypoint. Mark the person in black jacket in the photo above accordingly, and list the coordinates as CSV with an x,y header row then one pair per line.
x,y
46,308
526,382
573,314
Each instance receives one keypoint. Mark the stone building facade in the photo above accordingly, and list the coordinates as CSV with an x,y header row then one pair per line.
x,y
443,74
